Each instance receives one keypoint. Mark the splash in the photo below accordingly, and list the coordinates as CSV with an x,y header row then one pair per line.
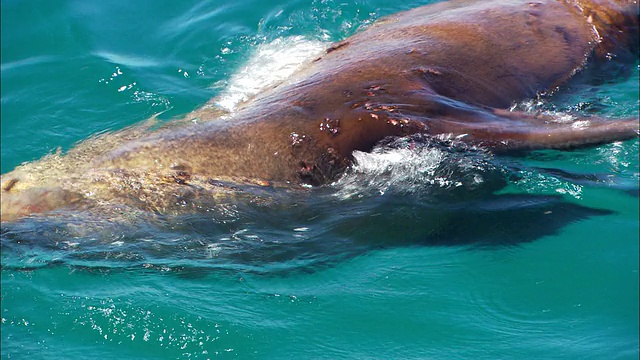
x,y
380,171
414,165
270,64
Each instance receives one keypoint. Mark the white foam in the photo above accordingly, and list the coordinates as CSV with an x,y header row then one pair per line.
x,y
392,168
270,64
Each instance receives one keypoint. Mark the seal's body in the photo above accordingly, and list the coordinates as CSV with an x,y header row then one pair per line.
x,y
449,70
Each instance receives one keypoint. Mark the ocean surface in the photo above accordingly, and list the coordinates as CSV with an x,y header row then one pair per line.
x,y
414,254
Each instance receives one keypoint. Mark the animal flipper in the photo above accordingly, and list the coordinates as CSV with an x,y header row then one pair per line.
x,y
504,130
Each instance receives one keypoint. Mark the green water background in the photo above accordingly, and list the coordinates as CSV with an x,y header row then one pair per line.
x,y
74,68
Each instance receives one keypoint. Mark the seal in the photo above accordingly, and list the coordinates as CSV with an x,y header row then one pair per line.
x,y
447,70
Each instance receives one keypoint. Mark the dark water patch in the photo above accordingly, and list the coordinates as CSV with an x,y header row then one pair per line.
x,y
496,221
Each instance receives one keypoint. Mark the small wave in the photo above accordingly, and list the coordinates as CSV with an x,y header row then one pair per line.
x,y
127,60
31,61
270,64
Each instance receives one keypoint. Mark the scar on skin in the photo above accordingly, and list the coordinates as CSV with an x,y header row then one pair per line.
x,y
337,46
10,184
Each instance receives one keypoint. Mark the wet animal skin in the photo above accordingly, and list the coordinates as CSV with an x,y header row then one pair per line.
x,y
448,70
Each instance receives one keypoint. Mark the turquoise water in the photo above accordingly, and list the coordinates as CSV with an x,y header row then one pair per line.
x,y
539,262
